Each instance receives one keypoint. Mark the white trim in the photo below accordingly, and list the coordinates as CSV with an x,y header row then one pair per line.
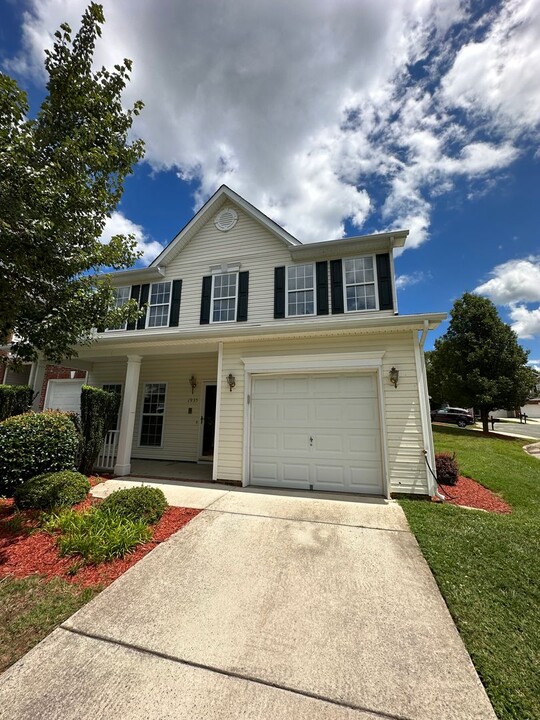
x,y
393,279
145,383
205,384
314,363
149,305
375,283
214,276
302,315
366,363
218,411
425,416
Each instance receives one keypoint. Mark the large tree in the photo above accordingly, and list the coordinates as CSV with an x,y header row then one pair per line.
x,y
478,362
61,175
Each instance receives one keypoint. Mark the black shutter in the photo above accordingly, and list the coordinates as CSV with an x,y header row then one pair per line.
x,y
279,292
384,282
243,289
336,276
322,288
145,290
135,292
206,299
174,316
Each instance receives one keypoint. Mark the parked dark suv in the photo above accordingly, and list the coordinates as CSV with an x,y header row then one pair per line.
x,y
457,416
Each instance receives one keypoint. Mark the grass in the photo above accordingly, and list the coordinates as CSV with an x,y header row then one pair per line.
x,y
97,535
30,608
488,567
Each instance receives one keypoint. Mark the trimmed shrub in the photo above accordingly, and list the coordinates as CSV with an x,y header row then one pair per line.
x,y
447,469
99,410
138,503
45,492
33,444
96,535
14,400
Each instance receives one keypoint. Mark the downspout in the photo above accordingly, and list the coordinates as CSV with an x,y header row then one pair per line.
x,y
428,443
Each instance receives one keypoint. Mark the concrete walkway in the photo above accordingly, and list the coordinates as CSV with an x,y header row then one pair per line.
x,y
267,606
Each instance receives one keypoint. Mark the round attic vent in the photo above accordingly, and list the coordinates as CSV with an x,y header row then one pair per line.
x,y
226,219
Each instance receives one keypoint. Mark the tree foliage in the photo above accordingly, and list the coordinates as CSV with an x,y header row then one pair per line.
x,y
61,175
478,362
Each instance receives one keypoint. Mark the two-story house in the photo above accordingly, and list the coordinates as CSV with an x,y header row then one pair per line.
x,y
280,363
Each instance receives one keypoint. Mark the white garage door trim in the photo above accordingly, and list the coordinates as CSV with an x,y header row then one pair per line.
x,y
54,383
315,364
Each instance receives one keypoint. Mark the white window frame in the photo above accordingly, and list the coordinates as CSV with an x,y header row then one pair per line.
x,y
139,444
375,284
148,306
295,291
214,276
124,326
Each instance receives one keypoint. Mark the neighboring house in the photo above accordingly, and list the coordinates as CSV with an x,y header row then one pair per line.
x,y
60,386
270,359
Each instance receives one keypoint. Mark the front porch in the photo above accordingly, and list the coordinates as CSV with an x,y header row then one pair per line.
x,y
171,470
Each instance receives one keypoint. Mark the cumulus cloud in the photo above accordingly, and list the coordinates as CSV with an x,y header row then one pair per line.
x,y
525,322
119,224
516,283
305,107
403,281
513,281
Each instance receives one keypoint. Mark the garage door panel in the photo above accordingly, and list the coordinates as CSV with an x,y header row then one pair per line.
x,y
64,395
339,412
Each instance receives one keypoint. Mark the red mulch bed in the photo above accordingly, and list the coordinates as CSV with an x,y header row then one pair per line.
x,y
469,493
23,554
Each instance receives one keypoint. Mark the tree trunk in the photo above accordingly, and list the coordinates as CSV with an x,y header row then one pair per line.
x,y
484,415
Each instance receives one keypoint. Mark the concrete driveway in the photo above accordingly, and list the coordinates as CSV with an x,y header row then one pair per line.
x,y
263,606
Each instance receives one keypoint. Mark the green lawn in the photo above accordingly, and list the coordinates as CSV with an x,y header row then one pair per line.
x,y
488,567
31,608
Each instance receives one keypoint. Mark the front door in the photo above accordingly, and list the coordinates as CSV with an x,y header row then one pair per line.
x,y
209,421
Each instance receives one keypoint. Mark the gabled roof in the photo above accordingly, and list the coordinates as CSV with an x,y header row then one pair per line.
x,y
209,208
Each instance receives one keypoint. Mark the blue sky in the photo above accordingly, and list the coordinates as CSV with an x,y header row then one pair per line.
x,y
339,117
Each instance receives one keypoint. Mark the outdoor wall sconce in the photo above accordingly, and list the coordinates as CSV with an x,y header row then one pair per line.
x,y
193,383
394,376
231,380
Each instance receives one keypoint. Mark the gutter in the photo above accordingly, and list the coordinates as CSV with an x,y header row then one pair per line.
x,y
428,452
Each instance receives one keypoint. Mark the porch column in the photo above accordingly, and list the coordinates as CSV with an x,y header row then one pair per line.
x,y
37,382
127,418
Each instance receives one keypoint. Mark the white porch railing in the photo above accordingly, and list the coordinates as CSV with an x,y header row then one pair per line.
x,y
107,456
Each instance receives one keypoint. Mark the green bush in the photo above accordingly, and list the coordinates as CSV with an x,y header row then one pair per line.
x,y
14,400
138,503
33,444
45,492
99,410
97,535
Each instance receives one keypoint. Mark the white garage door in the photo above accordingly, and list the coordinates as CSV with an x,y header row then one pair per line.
x,y
64,395
319,432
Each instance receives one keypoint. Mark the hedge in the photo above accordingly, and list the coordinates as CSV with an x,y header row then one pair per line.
x,y
138,503
99,410
14,400
33,444
53,490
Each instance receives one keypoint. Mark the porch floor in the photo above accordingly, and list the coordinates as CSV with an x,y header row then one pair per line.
x,y
171,470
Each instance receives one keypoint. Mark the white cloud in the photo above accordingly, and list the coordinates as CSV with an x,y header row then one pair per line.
x,y
513,281
119,224
525,322
403,281
303,107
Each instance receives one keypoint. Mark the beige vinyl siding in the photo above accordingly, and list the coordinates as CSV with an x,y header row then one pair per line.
x,y
181,430
259,252
406,467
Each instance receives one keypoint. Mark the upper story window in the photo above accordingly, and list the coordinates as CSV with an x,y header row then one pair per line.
x,y
300,290
359,285
224,297
121,297
159,303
